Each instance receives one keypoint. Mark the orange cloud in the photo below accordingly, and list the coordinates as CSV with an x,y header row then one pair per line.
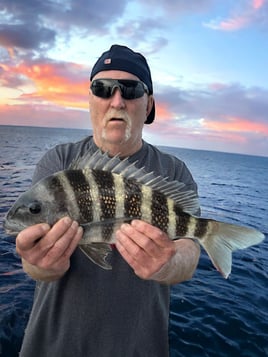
x,y
163,112
43,115
236,124
54,85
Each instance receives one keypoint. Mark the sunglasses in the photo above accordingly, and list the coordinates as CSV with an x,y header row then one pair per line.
x,y
129,88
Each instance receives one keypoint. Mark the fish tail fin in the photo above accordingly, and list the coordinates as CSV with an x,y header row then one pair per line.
x,y
223,239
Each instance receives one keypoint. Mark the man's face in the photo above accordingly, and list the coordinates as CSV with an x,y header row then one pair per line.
x,y
117,121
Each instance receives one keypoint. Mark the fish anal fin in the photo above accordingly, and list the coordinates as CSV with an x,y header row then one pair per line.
x,y
98,253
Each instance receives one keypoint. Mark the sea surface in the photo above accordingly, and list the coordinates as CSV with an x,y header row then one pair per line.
x,y
210,316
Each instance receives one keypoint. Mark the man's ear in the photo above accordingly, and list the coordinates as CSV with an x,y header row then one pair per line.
x,y
149,105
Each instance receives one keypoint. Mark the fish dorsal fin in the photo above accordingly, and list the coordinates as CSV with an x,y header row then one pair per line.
x,y
187,200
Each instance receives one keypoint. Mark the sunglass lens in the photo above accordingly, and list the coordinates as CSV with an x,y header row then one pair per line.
x,y
130,89
101,89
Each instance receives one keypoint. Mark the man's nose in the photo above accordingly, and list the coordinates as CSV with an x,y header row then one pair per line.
x,y
117,101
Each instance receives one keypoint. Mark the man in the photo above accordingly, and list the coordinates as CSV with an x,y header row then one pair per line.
x,y
80,309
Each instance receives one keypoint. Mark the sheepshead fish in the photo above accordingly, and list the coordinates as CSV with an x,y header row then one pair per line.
x,y
101,193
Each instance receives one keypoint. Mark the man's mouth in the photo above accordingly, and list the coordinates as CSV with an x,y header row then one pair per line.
x,y
117,120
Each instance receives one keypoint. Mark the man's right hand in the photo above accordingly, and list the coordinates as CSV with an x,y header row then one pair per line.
x,y
46,251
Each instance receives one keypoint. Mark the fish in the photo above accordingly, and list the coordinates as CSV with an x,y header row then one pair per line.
x,y
102,192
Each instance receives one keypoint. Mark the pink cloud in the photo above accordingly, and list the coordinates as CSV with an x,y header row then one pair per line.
x,y
236,125
162,111
257,4
43,115
238,21
233,24
64,84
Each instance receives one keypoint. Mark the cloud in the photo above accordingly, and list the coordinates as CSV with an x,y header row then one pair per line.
x,y
45,80
24,37
178,7
255,12
94,14
144,33
43,115
63,15
257,4
236,124
219,113
212,99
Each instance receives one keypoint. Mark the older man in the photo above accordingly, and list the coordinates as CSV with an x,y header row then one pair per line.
x,y
80,309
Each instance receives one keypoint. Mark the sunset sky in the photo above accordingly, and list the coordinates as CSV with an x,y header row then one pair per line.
x,y
208,58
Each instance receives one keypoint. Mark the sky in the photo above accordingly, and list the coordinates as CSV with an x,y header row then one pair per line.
x,y
208,58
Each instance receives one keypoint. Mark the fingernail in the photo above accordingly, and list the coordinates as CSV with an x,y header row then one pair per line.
x,y
80,230
45,227
74,225
67,220
135,223
125,226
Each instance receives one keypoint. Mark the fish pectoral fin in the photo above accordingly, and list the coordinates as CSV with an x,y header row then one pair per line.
x,y
98,253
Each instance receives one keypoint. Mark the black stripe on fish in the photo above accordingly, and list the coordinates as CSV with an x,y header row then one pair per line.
x,y
105,182
201,228
182,222
56,186
160,212
81,189
133,199
108,201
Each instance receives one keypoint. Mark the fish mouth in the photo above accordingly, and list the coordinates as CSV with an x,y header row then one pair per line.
x,y
12,229
11,232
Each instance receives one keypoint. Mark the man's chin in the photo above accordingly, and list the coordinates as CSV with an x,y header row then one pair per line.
x,y
116,136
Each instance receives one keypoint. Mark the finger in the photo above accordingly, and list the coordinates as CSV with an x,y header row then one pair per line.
x,y
143,239
27,238
57,258
64,247
155,234
43,252
56,232
123,251
142,265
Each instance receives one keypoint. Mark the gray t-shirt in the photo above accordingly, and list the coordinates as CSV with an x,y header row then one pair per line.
x,y
91,312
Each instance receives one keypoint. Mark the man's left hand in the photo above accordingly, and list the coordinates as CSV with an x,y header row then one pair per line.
x,y
145,247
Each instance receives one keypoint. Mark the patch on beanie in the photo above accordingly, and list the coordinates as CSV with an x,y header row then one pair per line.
x,y
107,61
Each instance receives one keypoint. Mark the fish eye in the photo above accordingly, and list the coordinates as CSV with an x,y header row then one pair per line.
x,y
35,207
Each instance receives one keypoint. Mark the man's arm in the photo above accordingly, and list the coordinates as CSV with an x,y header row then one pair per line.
x,y
153,256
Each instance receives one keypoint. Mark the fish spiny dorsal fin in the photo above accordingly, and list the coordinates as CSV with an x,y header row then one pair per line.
x,y
94,161
187,200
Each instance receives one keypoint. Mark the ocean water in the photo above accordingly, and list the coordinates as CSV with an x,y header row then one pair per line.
x,y
210,316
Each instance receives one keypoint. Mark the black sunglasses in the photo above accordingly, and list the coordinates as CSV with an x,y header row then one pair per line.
x,y
129,88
